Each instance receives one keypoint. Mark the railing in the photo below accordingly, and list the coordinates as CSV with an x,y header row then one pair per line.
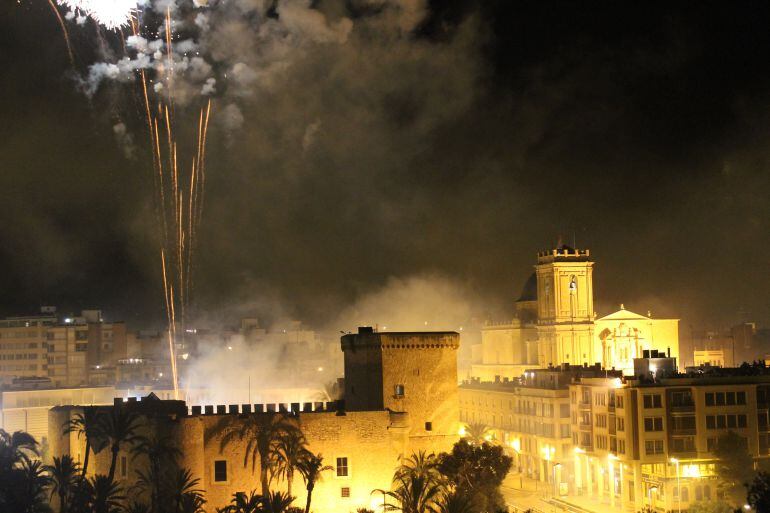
x,y
683,431
682,407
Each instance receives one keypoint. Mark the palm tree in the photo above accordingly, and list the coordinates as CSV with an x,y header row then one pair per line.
x,y
64,475
420,464
242,503
311,467
13,447
31,494
106,496
289,450
192,503
261,433
137,507
455,503
161,454
477,433
88,425
414,494
276,502
181,484
119,427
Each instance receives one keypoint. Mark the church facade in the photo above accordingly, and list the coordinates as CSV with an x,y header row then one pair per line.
x,y
555,323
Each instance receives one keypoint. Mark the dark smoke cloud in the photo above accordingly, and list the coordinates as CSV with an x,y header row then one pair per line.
x,y
446,139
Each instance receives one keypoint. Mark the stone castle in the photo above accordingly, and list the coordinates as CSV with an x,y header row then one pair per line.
x,y
401,397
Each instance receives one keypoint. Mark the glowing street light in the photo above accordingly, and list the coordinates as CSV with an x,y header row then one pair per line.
x,y
649,494
678,483
555,484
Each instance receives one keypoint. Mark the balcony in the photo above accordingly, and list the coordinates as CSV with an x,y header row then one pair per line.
x,y
683,431
684,407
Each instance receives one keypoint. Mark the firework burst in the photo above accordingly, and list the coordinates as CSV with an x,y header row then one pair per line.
x,y
111,14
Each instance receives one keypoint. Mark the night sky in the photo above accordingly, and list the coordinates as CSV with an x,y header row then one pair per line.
x,y
453,141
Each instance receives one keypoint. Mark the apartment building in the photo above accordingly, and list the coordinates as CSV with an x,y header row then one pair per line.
x,y
531,417
23,346
648,442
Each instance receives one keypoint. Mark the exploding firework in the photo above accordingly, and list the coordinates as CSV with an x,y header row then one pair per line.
x,y
178,180
111,14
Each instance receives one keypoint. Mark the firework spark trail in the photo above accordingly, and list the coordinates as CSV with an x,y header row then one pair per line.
x,y
64,31
178,185
178,206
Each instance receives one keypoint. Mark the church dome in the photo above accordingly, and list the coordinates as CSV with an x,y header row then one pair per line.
x,y
529,291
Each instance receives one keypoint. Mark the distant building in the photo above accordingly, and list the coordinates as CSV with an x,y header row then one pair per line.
x,y
712,357
23,346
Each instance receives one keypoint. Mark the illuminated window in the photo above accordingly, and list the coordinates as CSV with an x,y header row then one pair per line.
x,y
342,467
220,471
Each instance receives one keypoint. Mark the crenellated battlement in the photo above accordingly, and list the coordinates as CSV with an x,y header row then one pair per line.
x,y
401,340
288,408
563,254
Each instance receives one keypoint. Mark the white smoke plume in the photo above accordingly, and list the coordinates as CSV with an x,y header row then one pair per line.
x,y
125,140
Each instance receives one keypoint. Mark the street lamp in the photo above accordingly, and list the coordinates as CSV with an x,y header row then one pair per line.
x,y
649,494
614,488
678,483
578,470
555,489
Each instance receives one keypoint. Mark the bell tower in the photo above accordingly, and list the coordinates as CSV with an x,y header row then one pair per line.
x,y
565,288
565,306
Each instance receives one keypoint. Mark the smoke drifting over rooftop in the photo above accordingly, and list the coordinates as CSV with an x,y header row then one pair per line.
x,y
362,143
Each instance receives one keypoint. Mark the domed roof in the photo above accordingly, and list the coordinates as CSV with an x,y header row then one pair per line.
x,y
529,291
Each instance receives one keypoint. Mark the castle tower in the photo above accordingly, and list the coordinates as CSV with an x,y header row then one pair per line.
x,y
410,372
565,307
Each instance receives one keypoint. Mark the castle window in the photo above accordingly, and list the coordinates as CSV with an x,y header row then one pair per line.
x,y
342,467
345,491
399,391
220,471
429,426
